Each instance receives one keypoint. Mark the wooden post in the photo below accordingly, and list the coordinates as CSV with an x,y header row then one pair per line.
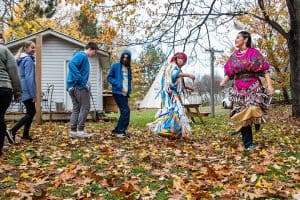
x,y
212,87
38,75
212,74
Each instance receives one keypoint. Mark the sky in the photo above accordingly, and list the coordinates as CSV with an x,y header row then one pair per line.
x,y
221,39
199,66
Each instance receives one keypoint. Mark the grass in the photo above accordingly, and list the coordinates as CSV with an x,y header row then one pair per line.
x,y
63,192
139,119
138,170
162,195
103,192
150,163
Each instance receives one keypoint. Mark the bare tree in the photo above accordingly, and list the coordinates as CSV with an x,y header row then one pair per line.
x,y
180,23
202,86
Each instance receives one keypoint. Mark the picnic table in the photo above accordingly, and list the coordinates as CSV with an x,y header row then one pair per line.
x,y
192,114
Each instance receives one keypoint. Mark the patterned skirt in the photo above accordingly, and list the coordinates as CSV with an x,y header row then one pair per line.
x,y
171,121
248,105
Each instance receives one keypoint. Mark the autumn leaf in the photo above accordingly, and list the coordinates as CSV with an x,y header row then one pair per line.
x,y
213,165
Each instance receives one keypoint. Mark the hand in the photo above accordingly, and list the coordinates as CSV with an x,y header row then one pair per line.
x,y
189,88
124,93
72,91
33,100
17,97
192,77
222,84
270,90
88,87
71,88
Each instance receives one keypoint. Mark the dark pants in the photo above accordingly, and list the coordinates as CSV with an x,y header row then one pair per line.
x,y
123,122
247,136
5,99
27,119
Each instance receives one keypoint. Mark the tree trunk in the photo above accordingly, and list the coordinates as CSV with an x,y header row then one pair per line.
x,y
286,97
294,53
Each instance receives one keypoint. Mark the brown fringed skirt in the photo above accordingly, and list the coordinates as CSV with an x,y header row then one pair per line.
x,y
249,105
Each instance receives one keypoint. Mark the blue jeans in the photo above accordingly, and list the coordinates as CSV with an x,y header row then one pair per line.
x,y
123,122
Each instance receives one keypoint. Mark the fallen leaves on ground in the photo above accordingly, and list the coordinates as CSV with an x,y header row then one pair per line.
x,y
211,165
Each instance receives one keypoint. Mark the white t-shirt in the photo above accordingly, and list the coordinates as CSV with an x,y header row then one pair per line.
x,y
125,79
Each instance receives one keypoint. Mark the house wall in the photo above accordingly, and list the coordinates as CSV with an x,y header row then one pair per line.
x,y
55,55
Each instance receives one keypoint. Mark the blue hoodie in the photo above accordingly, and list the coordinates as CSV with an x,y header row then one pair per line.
x,y
79,69
115,76
26,64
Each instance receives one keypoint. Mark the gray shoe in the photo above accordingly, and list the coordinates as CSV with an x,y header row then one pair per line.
x,y
250,148
82,134
73,134
120,135
10,137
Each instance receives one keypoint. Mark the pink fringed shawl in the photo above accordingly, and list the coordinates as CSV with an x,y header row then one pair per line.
x,y
251,61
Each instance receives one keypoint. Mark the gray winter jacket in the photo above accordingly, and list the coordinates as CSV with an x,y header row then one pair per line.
x,y
9,76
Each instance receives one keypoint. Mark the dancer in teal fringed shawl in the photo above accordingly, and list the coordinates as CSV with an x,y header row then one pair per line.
x,y
171,120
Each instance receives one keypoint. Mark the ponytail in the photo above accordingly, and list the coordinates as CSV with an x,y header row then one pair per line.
x,y
22,49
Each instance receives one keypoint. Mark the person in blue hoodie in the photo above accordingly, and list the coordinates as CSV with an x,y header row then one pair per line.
x,y
79,89
120,78
26,65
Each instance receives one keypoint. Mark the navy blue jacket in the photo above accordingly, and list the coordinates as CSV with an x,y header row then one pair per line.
x,y
115,76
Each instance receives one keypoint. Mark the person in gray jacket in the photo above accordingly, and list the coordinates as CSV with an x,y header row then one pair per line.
x,y
10,87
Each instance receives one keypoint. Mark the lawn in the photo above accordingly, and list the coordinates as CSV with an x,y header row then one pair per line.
x,y
140,118
213,165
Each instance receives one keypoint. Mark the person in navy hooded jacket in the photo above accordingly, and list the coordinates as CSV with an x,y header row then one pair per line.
x,y
120,78
26,65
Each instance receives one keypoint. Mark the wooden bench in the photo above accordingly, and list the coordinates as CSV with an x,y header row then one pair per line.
x,y
193,114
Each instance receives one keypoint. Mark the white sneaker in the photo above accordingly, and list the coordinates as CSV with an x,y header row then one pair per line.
x,y
83,134
73,134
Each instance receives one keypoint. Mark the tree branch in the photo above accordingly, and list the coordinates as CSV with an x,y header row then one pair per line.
x,y
267,19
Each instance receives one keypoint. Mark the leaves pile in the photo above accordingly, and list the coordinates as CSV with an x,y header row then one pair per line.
x,y
144,166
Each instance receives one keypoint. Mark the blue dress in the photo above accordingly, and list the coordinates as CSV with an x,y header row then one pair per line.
x,y
171,120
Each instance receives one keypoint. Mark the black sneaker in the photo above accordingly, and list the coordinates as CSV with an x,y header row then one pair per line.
x,y
117,134
126,135
11,137
26,138
257,127
121,135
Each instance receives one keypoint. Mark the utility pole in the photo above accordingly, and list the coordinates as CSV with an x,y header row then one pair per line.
x,y
212,75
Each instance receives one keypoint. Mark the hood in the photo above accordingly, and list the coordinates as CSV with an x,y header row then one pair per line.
x,y
126,52
23,56
129,56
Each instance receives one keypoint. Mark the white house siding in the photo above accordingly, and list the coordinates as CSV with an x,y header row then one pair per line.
x,y
55,54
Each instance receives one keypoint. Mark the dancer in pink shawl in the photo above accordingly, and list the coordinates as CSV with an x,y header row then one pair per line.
x,y
245,67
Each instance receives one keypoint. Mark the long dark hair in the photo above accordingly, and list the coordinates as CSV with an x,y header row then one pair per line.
x,y
247,35
128,62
